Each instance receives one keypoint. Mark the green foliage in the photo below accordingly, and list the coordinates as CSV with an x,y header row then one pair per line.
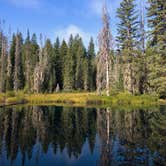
x,y
127,42
10,78
37,68
48,84
10,94
156,50
128,25
69,72
91,66
1,42
34,51
63,54
18,68
19,98
3,65
156,72
79,77
157,22
58,63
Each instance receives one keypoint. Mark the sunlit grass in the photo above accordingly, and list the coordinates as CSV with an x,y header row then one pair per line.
x,y
2,98
12,98
91,99
79,99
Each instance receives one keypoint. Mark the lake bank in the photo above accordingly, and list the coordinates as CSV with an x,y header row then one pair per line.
x,y
79,99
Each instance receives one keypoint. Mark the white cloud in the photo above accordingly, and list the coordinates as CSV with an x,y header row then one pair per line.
x,y
25,3
64,33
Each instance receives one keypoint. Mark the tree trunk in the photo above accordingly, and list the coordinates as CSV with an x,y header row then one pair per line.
x,y
107,78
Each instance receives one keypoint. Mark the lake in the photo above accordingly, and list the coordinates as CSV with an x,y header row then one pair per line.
x,y
50,135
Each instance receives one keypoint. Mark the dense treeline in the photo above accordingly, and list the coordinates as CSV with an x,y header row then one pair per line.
x,y
49,68
137,65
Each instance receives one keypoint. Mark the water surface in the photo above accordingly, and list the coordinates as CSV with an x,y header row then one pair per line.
x,y
41,135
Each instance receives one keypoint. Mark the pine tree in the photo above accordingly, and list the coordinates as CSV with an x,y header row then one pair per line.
x,y
34,51
142,60
156,22
75,47
118,72
69,72
63,54
80,54
3,64
1,37
11,64
18,69
34,58
58,63
128,25
91,65
156,50
50,53
127,37
49,78
86,74
9,79
0,42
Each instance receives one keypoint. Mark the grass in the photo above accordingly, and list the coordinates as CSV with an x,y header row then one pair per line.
x,y
2,98
79,99
93,99
12,98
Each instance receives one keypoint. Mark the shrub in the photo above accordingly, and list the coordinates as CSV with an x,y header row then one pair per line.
x,y
10,94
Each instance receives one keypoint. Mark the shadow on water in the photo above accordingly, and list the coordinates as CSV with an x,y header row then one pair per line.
x,y
82,136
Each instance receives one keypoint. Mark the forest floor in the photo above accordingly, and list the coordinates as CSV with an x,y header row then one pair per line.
x,y
79,99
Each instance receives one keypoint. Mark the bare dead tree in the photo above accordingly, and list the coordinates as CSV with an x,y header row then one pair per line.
x,y
9,64
38,73
103,62
41,69
143,69
142,25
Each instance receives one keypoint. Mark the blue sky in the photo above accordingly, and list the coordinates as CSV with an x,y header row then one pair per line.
x,y
55,18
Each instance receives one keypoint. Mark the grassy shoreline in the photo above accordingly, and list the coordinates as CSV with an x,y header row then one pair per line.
x,y
78,99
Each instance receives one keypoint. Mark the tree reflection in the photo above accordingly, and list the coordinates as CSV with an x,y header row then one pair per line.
x,y
58,126
103,124
126,137
132,137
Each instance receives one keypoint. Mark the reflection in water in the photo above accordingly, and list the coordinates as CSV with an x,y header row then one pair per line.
x,y
78,136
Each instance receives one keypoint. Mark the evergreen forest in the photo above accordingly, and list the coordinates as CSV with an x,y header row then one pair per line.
x,y
134,61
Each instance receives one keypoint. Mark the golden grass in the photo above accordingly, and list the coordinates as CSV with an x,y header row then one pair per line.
x,y
2,98
80,99
60,98
85,99
12,98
